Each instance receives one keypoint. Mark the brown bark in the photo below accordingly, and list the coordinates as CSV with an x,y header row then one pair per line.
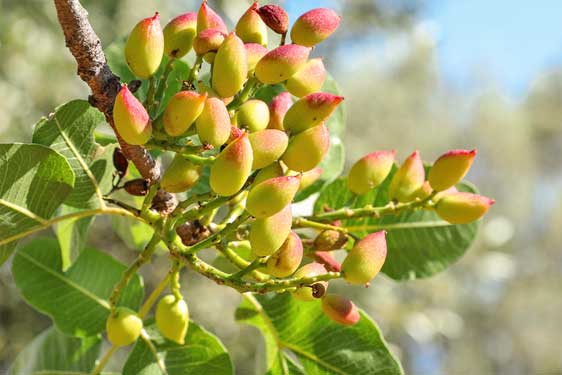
x,y
86,48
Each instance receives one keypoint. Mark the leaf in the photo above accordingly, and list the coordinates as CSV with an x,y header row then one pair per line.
x,y
55,353
135,234
202,353
70,131
322,346
75,299
34,181
72,235
420,244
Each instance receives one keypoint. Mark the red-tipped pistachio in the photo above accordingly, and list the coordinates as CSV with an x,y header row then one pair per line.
x,y
179,34
308,79
275,18
305,293
213,125
208,41
278,107
366,259
328,260
340,309
285,261
307,149
254,53
182,111
310,177
123,326
450,168
172,318
268,234
131,119
408,179
250,27
232,167
230,68
145,47
314,26
462,208
281,63
253,115
180,175
310,111
270,196
207,18
370,171
268,145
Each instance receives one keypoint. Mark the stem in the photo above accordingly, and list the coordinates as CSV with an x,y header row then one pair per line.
x,y
175,280
154,144
149,102
257,263
194,72
244,94
163,84
123,205
202,211
151,300
240,262
103,360
144,336
191,200
283,38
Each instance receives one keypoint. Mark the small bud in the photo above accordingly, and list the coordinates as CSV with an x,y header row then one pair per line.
x,y
181,175
285,261
123,327
131,119
366,259
138,187
271,196
232,167
164,203
191,233
310,111
308,79
314,26
253,115
145,47
309,270
275,18
307,149
179,34
370,171
120,162
207,41
268,145
213,125
230,68
250,27
172,318
340,309
310,177
281,63
278,107
207,18
450,168
254,53
329,240
268,234
271,171
408,179
328,260
462,208
182,111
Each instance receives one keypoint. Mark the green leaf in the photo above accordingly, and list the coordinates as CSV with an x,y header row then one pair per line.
x,y
420,244
55,353
75,299
135,234
72,235
321,346
70,131
34,181
202,353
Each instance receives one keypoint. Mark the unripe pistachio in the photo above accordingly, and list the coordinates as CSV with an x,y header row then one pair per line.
x,y
179,34
309,270
307,149
329,240
123,326
328,260
281,63
182,111
268,145
269,197
137,187
213,125
254,53
268,234
408,179
172,318
462,208
250,27
278,107
340,309
207,18
370,171
230,68
314,26
365,259
253,115
271,171
310,111
180,175
207,41
310,177
450,168
275,18
232,167
145,47
120,162
308,79
285,261
131,119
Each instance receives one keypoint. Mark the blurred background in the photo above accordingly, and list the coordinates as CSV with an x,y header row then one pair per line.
x,y
427,75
